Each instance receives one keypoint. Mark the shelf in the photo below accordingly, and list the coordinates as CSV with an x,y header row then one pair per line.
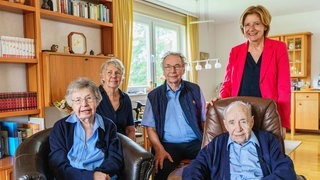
x,y
294,50
19,113
77,55
67,18
18,60
16,7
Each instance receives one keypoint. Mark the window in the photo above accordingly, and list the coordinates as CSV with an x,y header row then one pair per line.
x,y
151,39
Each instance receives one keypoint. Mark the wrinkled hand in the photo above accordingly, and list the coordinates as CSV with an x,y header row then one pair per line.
x,y
97,175
213,100
160,156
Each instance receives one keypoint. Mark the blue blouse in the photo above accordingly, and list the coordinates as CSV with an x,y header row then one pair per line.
x,y
250,85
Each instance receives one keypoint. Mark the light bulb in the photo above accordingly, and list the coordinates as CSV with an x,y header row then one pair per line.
x,y
217,65
208,65
198,67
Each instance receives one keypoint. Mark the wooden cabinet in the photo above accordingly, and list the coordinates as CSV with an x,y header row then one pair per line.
x,y
305,113
6,172
60,69
307,110
299,54
299,50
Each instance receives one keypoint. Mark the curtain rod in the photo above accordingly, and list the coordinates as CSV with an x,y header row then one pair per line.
x,y
164,6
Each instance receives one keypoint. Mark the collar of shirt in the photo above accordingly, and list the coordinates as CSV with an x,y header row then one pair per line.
x,y
98,121
253,139
169,89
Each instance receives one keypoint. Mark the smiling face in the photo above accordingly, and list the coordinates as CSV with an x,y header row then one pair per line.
x,y
239,122
173,69
112,77
253,28
84,104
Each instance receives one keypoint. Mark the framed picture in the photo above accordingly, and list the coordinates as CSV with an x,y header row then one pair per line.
x,y
204,55
77,43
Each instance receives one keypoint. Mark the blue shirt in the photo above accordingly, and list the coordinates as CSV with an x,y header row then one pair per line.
x,y
84,154
176,128
244,160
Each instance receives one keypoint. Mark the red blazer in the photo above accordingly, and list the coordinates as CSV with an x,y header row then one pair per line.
x,y
274,75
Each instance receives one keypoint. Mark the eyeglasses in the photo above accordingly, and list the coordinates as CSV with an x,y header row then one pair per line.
x,y
87,99
175,67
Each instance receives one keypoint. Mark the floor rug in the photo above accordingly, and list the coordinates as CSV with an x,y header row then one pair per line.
x,y
291,145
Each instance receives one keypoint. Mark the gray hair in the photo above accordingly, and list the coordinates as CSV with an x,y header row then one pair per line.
x,y
182,57
247,106
82,83
116,63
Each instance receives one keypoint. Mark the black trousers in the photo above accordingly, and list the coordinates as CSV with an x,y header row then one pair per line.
x,y
178,152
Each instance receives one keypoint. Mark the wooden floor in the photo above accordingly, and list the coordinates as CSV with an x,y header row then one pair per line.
x,y
306,157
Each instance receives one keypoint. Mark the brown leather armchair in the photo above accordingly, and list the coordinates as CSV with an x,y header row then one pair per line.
x,y
265,114
31,159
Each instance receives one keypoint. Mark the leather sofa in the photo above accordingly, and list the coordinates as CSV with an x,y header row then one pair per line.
x,y
31,159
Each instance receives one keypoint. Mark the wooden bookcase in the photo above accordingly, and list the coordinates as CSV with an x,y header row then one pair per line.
x,y
32,14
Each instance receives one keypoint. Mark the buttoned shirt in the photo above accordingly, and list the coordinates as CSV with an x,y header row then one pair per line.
x,y
84,154
244,160
176,128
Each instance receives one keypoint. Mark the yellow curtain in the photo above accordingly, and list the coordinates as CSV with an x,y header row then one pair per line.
x,y
192,47
123,12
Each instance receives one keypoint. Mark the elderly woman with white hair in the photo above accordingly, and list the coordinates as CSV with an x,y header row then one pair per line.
x,y
85,145
116,104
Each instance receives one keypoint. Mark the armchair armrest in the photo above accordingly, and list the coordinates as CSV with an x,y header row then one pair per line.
x,y
138,162
31,157
27,168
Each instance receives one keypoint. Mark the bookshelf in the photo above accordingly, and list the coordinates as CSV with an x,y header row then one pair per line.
x,y
32,14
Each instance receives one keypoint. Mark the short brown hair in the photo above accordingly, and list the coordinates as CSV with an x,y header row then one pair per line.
x,y
262,12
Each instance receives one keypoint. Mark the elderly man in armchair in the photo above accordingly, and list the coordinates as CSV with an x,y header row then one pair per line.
x,y
242,153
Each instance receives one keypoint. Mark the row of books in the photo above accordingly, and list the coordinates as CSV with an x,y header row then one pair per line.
x,y
11,136
82,9
16,47
15,101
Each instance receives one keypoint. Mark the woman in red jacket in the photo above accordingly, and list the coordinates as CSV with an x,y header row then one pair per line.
x,y
260,66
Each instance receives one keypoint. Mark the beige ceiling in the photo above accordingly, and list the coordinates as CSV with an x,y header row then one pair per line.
x,y
223,11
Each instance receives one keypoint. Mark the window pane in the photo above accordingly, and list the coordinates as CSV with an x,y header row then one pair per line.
x,y
139,73
152,38
166,39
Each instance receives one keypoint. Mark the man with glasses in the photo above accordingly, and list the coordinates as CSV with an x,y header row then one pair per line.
x,y
174,115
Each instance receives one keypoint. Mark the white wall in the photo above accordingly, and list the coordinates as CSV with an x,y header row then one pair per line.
x,y
219,39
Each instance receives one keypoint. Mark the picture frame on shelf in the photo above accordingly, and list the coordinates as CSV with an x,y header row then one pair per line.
x,y
77,43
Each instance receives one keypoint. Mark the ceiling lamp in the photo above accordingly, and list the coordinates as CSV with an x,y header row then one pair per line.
x,y
217,64
198,67
208,65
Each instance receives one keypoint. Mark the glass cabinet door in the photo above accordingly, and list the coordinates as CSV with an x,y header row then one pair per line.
x,y
295,45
